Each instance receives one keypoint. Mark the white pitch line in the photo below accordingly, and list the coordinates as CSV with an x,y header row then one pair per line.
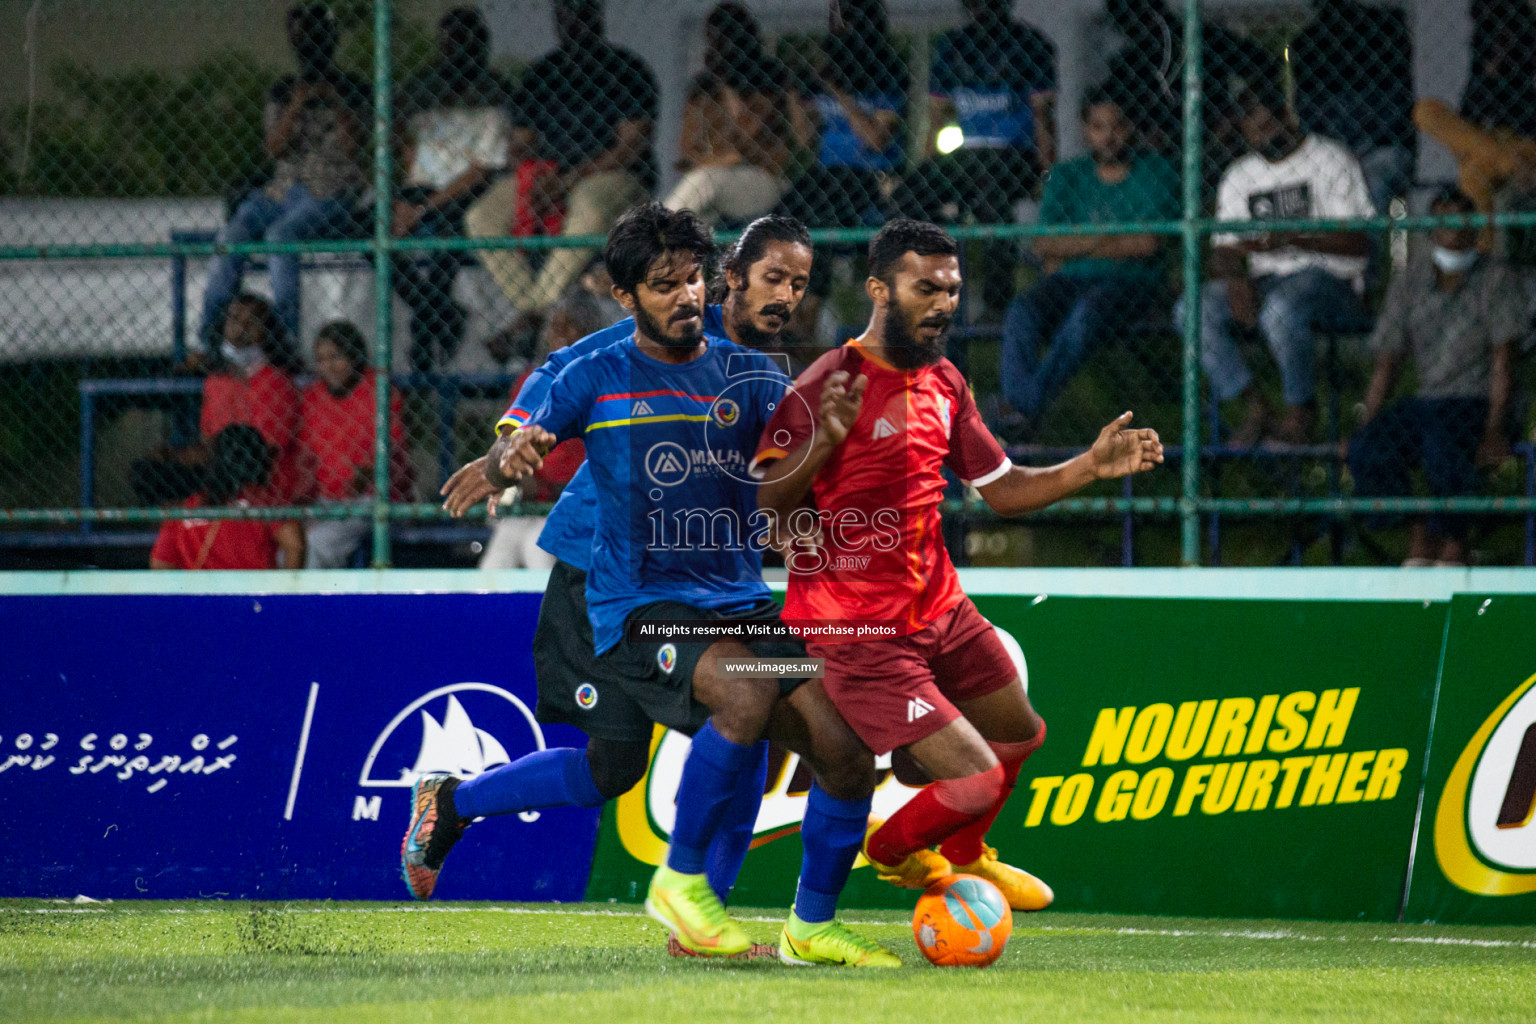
x,y
1177,933
298,760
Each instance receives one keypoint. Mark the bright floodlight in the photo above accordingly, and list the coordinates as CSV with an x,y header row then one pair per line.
x,y
950,138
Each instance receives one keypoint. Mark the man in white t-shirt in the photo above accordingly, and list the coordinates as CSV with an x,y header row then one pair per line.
x,y
1286,284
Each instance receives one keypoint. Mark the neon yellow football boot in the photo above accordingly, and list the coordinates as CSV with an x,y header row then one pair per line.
x,y
832,944
687,907
918,871
1022,890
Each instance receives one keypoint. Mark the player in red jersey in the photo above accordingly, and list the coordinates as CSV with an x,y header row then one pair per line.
x,y
910,662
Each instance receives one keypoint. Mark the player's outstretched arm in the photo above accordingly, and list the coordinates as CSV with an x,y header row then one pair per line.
x,y
1118,451
787,480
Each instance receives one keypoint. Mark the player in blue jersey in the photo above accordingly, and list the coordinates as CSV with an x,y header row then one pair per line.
x,y
667,419
766,272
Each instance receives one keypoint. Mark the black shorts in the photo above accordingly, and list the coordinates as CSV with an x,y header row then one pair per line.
x,y
575,686
658,674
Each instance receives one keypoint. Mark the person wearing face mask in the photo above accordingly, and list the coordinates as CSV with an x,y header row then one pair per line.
x,y
1456,314
253,384
1098,284
1286,285
336,439
315,127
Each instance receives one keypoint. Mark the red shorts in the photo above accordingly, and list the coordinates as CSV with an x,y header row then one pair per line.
x,y
895,692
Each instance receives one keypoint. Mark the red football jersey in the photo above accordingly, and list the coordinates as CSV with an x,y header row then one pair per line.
x,y
336,437
269,401
883,557
217,543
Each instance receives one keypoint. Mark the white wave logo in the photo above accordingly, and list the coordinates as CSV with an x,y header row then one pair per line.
x,y
454,745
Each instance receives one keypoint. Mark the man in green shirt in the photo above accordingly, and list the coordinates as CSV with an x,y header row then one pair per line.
x,y
1098,285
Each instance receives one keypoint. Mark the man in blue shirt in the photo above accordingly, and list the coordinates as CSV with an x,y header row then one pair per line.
x,y
995,79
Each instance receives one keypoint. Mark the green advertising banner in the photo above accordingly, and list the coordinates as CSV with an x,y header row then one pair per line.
x,y
1475,852
1209,757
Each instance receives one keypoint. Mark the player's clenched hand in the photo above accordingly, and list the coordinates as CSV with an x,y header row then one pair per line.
x,y
1120,451
840,405
521,453
469,486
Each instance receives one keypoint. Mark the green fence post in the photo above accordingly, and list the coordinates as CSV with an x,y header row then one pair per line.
x,y
383,348
1189,510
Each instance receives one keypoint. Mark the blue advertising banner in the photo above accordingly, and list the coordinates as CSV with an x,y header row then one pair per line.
x,y
262,746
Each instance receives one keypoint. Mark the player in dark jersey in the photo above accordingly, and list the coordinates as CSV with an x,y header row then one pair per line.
x,y
670,420
876,422
765,273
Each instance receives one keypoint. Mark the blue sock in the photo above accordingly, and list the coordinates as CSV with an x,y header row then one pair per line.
x,y
734,839
832,833
560,777
711,777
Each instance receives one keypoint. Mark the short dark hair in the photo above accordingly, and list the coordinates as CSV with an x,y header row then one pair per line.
x,y
241,458
349,341
904,235
760,234
646,233
1099,96
1455,198
275,344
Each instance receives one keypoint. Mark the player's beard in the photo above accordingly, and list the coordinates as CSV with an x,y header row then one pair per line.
x,y
905,349
753,336
653,329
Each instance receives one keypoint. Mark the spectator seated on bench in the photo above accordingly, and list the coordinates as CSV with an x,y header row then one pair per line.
x,y
336,443
315,125
251,382
237,472
1099,285
1458,316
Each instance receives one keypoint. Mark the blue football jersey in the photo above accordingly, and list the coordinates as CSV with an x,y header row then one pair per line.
x,y
567,533
669,448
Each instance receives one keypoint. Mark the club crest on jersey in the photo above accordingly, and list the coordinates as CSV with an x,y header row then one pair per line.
x,y
586,696
726,412
666,658
884,428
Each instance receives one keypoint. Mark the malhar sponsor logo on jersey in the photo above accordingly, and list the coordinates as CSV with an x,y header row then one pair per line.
x,y
586,696
726,412
647,812
1485,842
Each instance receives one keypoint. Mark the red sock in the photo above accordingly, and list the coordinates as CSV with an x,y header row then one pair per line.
x,y
964,846
938,811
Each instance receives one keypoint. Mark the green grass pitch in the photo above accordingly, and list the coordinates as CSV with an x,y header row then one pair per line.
x,y
339,963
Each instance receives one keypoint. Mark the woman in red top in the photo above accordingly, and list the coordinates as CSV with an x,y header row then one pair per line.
x,y
336,436
254,385
237,475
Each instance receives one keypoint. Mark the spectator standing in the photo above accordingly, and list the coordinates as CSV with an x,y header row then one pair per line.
x,y
456,136
314,125
514,539
1493,138
1457,315
1285,284
237,475
336,442
995,78
1098,285
587,112
1353,67
734,147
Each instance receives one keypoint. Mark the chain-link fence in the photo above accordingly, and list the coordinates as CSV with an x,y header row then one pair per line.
x,y
232,233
